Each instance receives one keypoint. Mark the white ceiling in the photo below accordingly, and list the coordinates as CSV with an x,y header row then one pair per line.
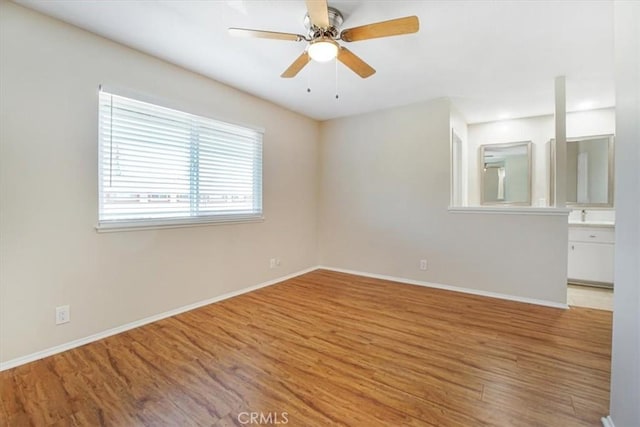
x,y
492,58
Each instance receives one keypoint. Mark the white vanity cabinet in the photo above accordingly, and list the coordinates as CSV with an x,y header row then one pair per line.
x,y
591,251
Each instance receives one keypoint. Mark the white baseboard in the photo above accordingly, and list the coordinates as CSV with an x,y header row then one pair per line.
x,y
607,421
119,329
451,288
104,334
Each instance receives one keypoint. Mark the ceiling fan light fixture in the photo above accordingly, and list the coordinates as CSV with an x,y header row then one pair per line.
x,y
322,50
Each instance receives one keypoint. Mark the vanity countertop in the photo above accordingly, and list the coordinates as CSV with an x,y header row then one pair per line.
x,y
604,224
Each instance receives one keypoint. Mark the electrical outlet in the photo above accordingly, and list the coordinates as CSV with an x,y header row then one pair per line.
x,y
423,264
63,314
274,262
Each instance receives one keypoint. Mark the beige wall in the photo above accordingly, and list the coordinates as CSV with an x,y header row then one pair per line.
x,y
49,251
367,193
384,194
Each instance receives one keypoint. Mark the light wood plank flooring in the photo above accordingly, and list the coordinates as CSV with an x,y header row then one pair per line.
x,y
331,349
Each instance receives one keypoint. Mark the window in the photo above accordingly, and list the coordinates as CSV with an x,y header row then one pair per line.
x,y
159,166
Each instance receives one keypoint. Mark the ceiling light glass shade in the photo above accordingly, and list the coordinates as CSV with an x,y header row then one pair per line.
x,y
323,50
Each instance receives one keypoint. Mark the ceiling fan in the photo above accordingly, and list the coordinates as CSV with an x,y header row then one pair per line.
x,y
323,25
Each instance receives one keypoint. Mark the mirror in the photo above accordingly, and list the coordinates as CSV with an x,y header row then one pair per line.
x,y
590,171
505,174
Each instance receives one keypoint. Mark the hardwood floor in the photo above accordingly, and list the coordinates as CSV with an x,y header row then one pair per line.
x,y
331,349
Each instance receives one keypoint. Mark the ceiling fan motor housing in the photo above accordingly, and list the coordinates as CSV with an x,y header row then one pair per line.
x,y
335,22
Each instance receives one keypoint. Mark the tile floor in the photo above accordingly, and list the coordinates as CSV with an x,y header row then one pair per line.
x,y
591,297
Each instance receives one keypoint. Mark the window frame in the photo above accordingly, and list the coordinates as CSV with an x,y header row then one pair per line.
x,y
131,224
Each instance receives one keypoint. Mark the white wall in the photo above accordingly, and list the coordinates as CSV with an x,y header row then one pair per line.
x,y
50,253
539,130
459,126
625,366
384,194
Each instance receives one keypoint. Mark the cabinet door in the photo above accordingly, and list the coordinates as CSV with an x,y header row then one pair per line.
x,y
591,262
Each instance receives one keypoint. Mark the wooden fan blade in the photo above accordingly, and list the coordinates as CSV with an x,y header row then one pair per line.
x,y
297,65
394,27
318,13
356,64
245,32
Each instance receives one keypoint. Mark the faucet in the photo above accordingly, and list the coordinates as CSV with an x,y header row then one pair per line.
x,y
583,215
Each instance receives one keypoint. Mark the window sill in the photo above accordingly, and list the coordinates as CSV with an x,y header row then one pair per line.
x,y
509,210
118,226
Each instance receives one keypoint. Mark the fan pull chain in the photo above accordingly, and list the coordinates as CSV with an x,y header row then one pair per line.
x,y
337,96
308,77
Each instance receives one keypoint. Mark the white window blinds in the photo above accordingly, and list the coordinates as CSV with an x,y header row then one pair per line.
x,y
163,166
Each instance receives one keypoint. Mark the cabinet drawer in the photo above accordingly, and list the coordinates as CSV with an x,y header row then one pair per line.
x,y
592,235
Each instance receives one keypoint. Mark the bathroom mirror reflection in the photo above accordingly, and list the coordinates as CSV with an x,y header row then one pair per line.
x,y
590,171
505,174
